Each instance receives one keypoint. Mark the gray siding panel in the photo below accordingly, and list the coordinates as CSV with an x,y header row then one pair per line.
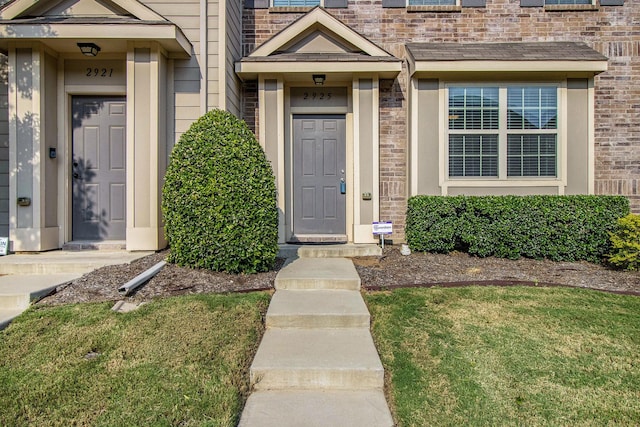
x,y
233,53
394,3
531,3
428,118
577,136
473,3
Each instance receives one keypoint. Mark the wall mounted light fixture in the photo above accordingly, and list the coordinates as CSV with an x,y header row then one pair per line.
x,y
89,49
319,79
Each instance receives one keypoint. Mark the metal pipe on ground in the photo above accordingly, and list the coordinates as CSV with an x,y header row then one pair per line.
x,y
141,278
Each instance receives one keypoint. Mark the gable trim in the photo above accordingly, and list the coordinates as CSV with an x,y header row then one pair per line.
x,y
317,16
17,8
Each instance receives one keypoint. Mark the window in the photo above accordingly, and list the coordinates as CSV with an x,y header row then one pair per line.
x,y
567,2
432,2
295,3
521,119
473,146
532,116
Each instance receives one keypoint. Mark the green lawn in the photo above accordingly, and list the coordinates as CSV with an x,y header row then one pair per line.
x,y
509,356
177,361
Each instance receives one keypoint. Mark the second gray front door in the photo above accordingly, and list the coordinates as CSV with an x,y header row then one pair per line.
x,y
319,187
99,168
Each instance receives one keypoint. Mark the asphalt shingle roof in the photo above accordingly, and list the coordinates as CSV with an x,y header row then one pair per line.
x,y
526,51
319,57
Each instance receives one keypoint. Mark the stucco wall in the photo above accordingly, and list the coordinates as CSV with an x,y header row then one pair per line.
x,y
610,30
4,148
50,140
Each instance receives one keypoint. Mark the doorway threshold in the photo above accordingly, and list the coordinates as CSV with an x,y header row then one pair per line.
x,y
90,245
349,250
318,239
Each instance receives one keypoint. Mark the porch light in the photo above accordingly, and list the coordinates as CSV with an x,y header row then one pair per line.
x,y
89,49
319,79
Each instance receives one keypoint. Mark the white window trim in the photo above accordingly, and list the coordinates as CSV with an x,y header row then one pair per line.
x,y
502,181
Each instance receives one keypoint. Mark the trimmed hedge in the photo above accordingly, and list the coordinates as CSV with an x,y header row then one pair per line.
x,y
626,243
219,198
560,228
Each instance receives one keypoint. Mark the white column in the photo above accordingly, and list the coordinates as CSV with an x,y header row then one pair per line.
x,y
146,145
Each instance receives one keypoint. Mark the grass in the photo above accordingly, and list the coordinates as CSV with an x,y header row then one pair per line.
x,y
177,361
509,356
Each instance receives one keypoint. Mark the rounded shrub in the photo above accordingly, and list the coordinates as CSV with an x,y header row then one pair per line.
x,y
625,241
219,198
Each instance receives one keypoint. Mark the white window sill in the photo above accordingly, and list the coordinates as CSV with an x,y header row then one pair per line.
x,y
497,182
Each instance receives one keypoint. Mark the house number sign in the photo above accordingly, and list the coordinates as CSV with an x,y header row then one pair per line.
x,y
95,72
318,96
99,72
315,95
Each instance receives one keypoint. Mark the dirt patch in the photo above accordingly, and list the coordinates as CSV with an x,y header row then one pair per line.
x,y
390,270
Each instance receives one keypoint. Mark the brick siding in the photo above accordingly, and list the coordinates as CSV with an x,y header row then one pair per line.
x,y
612,30
250,105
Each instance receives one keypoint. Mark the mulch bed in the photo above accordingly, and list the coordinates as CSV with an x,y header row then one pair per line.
x,y
391,270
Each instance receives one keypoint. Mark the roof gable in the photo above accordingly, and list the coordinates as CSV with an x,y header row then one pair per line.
x,y
78,8
320,42
318,32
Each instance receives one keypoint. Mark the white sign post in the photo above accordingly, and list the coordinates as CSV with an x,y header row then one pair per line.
x,y
381,228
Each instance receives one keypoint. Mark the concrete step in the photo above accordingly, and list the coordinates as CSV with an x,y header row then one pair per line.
x,y
317,309
318,273
14,301
63,262
291,358
7,315
309,408
18,291
329,251
106,245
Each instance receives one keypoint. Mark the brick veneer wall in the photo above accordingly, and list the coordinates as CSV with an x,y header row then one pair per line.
x,y
250,105
612,30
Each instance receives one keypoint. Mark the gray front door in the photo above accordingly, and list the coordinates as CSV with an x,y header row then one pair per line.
x,y
319,199
99,169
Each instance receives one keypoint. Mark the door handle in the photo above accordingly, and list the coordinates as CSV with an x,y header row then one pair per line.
x,y
343,186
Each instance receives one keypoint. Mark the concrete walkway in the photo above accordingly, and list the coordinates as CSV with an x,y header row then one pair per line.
x,y
25,278
317,364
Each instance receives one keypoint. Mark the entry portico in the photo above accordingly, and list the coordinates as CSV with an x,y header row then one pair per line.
x,y
73,116
318,94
